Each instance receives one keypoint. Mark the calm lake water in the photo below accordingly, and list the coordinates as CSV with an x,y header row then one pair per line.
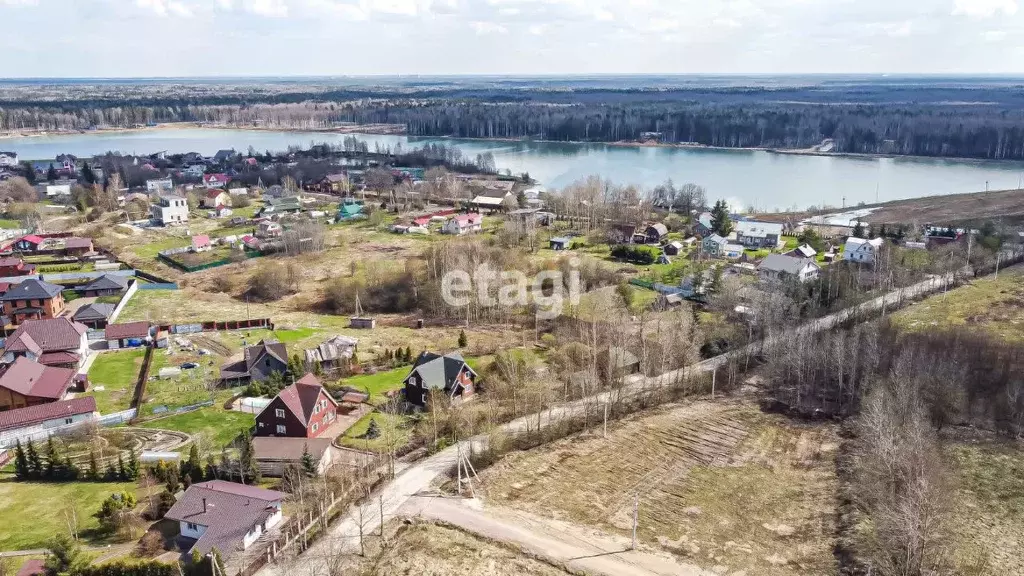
x,y
745,178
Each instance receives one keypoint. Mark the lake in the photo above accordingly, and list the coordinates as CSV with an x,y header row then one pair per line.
x,y
744,177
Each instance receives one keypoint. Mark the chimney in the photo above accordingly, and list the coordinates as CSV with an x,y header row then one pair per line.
x,y
204,505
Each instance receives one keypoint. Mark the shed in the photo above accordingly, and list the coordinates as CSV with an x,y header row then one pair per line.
x,y
674,248
126,335
560,243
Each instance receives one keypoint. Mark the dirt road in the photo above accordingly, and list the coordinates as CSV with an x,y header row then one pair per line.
x,y
575,548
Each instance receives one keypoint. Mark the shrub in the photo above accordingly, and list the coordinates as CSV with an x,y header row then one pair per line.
x,y
271,282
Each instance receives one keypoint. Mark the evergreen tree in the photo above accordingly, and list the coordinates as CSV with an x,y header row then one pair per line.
x,y
173,481
29,172
463,341
247,459
35,462
88,177
122,472
871,231
111,474
52,460
21,465
722,224
94,467
882,232
194,467
132,468
211,468
858,230
63,556
408,354
51,173
308,466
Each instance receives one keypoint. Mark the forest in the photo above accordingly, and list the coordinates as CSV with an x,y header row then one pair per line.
x,y
963,119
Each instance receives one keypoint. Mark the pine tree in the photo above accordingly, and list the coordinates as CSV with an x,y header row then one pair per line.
x,y
211,468
111,474
720,216
408,354
173,481
87,175
52,460
462,339
308,466
51,173
194,467
35,462
132,467
858,230
21,465
122,472
94,466
247,459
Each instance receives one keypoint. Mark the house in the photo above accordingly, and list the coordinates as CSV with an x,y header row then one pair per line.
x,y
655,232
224,155
159,184
616,362
29,243
732,251
713,245
194,170
15,266
289,205
269,229
216,198
560,243
779,267
302,410
803,251
337,183
67,163
33,300
224,516
79,247
333,353
94,315
129,335
105,285
861,251
463,224
258,363
38,421
215,180
169,210
9,159
673,248
29,383
754,234
239,191
54,342
274,454
705,225
201,243
448,374
33,567
350,211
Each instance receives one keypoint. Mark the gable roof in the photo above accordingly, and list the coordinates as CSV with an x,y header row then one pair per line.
x,y
215,192
715,238
200,241
227,510
95,311
706,219
286,448
30,378
107,282
468,219
854,243
437,371
276,350
660,228
334,348
21,417
31,289
301,397
31,239
804,251
129,330
755,229
76,242
9,261
50,335
207,178
786,264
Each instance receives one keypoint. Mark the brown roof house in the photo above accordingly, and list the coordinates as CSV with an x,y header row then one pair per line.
x,y
224,516
28,383
32,300
57,342
35,422
448,374
127,335
302,410
258,363
275,453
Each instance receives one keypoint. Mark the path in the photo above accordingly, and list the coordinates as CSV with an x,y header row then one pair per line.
x,y
344,534
565,545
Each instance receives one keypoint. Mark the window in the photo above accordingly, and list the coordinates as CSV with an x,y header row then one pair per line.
x,y
193,527
279,412
315,427
281,429
67,420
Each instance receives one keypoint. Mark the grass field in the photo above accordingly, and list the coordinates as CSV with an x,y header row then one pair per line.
x,y
399,424
218,426
377,385
116,373
31,511
719,484
995,305
9,224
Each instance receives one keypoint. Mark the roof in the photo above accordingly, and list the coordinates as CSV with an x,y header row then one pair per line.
x,y
717,239
94,311
58,358
207,178
301,397
659,228
332,349
49,335
755,229
107,282
438,371
200,241
32,239
228,510
489,200
561,240
31,289
129,330
252,356
214,193
853,242
284,448
10,261
804,251
786,264
676,244
21,417
75,242
30,378
706,219
336,177
35,566
467,219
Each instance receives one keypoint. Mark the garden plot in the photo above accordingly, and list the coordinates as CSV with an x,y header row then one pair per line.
x,y
722,485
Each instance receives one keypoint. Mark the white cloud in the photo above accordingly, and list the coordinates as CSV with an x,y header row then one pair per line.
x,y
166,7
487,28
537,29
268,8
984,8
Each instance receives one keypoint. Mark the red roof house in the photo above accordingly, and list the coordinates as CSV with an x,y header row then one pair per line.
x,y
303,410
201,243
57,412
28,383
121,335
216,180
27,243
53,342
14,266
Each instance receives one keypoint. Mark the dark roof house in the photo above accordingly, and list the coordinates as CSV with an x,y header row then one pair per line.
x,y
38,339
31,289
257,362
105,285
94,315
448,373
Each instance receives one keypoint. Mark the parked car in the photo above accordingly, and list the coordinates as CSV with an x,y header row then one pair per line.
x,y
189,365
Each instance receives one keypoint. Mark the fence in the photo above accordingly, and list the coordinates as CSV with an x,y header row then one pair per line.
x,y
158,286
140,385
166,259
215,326
133,287
115,418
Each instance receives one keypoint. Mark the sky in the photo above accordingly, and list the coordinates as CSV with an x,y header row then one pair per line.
x,y
146,38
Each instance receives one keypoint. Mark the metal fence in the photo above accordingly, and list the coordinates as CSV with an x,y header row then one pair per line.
x,y
115,418
158,286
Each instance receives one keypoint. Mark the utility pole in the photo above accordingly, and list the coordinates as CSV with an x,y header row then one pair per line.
x,y
605,434
380,500
714,373
636,516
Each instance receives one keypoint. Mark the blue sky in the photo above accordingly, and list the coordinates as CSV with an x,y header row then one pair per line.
x,y
123,38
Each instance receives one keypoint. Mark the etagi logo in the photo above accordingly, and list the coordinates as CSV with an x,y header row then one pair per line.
x,y
549,289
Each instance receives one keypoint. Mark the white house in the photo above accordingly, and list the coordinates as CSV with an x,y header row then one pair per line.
x,y
195,170
215,198
159,184
169,210
776,267
862,251
463,224
38,422
8,159
225,515
754,234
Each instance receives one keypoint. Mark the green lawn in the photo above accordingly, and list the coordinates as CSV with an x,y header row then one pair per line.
x,y
117,373
151,249
9,224
185,389
377,385
219,426
31,512
402,430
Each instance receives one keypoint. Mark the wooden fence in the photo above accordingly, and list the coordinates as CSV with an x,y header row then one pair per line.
x,y
140,385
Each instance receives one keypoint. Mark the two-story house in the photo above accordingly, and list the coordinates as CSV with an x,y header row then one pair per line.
x,y
448,374
779,267
14,266
8,159
216,198
258,363
156,185
216,180
225,516
302,410
463,224
713,245
862,251
169,210
32,300
754,234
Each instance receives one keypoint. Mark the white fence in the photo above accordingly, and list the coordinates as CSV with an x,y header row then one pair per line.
x,y
133,287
